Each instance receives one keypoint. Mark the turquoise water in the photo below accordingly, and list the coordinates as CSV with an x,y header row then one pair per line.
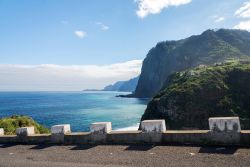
x,y
79,109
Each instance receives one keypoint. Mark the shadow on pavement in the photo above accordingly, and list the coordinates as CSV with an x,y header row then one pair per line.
x,y
139,147
83,147
218,150
7,145
42,146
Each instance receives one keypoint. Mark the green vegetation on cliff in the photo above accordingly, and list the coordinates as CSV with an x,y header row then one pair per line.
x,y
166,58
189,98
11,123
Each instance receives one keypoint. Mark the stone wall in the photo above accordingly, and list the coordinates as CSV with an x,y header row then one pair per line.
x,y
153,132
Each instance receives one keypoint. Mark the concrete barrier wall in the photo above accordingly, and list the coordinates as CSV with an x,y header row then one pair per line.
x,y
131,137
101,133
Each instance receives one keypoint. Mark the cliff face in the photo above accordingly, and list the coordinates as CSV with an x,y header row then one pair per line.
x,y
171,56
123,86
189,98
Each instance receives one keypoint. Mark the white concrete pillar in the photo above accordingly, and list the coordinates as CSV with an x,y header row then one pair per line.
x,y
25,131
1,131
61,129
153,126
101,127
58,132
224,124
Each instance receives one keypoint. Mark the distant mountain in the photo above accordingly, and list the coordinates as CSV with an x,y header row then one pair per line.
x,y
189,98
123,86
208,48
91,90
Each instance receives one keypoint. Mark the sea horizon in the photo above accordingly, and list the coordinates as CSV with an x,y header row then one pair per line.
x,y
78,108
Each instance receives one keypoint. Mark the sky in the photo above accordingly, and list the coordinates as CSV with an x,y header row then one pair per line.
x,y
65,45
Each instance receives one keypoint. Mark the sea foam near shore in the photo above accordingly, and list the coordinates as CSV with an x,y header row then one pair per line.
x,y
130,128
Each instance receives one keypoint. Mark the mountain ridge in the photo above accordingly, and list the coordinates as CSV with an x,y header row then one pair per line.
x,y
190,97
123,86
207,48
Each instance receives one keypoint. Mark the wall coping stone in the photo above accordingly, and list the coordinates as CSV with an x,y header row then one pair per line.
x,y
25,131
126,132
101,127
224,124
1,131
61,129
187,131
153,126
77,133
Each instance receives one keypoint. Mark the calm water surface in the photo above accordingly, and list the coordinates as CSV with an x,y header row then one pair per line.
x,y
79,109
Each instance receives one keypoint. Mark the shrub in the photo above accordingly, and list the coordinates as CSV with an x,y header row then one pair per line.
x,y
10,124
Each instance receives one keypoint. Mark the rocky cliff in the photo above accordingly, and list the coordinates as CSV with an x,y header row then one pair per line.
x,y
190,97
171,56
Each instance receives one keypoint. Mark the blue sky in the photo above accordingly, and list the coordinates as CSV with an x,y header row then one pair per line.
x,y
103,32
42,31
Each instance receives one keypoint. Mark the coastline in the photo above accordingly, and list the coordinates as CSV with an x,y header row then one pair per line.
x,y
129,128
80,109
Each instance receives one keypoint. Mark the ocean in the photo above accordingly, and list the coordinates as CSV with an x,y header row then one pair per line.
x,y
79,109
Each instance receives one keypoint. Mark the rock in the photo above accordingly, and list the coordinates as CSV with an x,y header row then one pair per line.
x,y
188,101
208,48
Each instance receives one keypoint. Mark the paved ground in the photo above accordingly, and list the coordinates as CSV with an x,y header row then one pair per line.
x,y
111,156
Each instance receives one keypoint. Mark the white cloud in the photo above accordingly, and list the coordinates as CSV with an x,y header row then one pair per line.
x,y
244,11
219,19
50,77
244,25
64,22
146,7
80,34
103,26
